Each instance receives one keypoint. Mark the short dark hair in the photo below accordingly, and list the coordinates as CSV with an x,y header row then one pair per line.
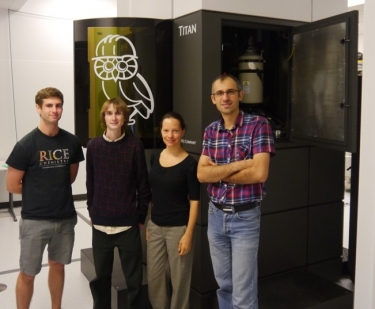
x,y
47,93
120,106
174,115
225,76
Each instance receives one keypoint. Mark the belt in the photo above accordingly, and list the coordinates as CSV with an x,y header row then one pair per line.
x,y
237,208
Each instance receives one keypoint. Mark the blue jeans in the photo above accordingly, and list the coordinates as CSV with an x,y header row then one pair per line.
x,y
234,241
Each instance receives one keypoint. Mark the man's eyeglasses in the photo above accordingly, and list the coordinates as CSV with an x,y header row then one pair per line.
x,y
230,93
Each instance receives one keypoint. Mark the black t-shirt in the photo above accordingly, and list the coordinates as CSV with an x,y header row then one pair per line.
x,y
46,160
172,189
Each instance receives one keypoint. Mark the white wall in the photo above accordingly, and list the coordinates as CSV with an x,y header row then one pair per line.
x,y
79,186
183,7
301,10
161,9
323,8
42,56
7,119
286,9
360,9
71,9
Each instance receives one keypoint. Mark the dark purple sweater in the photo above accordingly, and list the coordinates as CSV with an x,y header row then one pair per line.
x,y
118,192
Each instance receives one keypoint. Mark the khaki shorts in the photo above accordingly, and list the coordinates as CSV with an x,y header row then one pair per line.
x,y
35,235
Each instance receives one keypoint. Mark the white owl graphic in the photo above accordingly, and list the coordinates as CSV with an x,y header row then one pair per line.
x,y
112,68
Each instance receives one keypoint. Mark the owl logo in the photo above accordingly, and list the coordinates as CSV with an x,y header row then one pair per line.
x,y
113,68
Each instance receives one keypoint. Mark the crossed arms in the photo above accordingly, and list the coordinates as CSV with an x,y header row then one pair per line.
x,y
248,171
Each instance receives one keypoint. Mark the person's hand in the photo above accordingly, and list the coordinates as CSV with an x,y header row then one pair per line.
x,y
184,245
140,225
146,234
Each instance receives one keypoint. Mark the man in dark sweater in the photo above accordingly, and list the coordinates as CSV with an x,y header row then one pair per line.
x,y
118,195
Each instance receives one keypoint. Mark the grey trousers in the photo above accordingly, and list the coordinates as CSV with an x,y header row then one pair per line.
x,y
169,275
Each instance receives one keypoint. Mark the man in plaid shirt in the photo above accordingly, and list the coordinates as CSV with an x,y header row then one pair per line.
x,y
235,162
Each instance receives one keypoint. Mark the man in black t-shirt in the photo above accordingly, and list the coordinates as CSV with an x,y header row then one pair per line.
x,y
42,167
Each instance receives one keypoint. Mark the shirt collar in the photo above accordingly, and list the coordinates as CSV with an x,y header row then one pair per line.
x,y
239,121
117,139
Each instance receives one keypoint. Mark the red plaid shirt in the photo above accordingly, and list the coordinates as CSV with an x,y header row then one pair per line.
x,y
250,135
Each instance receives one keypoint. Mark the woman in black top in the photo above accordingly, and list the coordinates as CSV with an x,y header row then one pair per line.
x,y
174,212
